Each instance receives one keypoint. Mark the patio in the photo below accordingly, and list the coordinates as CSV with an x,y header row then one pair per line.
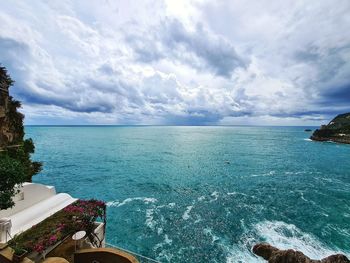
x,y
53,236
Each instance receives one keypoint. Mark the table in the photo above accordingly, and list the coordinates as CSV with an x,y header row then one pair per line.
x,y
78,236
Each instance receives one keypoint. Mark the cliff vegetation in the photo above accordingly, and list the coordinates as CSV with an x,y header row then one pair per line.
x,y
338,130
16,165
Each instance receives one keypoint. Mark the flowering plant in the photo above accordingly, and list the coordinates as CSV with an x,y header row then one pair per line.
x,y
80,215
85,213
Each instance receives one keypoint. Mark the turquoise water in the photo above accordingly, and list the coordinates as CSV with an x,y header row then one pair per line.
x,y
205,194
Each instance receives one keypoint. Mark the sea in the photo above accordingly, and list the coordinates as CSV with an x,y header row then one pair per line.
x,y
207,193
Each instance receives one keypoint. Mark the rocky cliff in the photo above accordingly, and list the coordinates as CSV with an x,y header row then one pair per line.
x,y
338,130
275,255
9,133
12,142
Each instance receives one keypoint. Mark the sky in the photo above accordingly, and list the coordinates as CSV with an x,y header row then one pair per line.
x,y
178,62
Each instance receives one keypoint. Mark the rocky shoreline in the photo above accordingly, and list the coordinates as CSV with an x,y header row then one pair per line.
x,y
338,130
275,255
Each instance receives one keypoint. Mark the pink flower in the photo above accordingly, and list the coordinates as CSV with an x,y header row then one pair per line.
x,y
60,227
74,209
52,239
39,248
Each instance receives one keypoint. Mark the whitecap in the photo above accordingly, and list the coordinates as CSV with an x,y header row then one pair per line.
x,y
167,240
171,205
239,252
215,195
112,203
306,200
209,232
302,196
146,200
149,219
186,214
201,198
199,219
270,173
237,193
164,255
242,255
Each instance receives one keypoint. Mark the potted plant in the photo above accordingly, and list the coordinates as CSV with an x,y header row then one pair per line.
x,y
18,251
18,254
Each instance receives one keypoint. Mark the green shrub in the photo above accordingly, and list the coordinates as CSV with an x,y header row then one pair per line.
x,y
12,174
16,165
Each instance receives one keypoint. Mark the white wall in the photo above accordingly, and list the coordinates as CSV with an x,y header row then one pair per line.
x,y
29,195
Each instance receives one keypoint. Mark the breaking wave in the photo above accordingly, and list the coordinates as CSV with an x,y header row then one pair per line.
x,y
285,236
281,235
146,200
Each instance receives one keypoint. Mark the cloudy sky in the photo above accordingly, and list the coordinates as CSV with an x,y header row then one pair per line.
x,y
178,61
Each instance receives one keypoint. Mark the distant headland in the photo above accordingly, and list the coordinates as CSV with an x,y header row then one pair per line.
x,y
338,130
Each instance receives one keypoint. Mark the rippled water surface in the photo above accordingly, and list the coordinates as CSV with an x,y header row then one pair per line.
x,y
205,194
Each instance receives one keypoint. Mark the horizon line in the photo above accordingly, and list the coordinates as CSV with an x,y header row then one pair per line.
x,y
160,125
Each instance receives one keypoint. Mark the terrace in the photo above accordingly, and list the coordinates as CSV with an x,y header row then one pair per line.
x,y
43,225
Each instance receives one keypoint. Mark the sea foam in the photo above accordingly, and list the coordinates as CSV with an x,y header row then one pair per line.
x,y
149,219
288,236
282,236
186,214
117,203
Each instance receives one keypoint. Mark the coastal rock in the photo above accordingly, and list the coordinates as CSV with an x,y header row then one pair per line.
x,y
4,98
275,255
9,118
338,130
12,141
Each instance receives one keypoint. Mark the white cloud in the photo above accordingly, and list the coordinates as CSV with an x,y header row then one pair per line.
x,y
177,62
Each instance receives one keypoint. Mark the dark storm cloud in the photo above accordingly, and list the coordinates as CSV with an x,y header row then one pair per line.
x,y
72,102
12,55
331,83
173,41
337,95
117,88
193,117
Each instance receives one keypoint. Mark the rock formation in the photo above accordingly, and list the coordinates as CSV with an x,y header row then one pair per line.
x,y
12,142
9,133
338,130
275,255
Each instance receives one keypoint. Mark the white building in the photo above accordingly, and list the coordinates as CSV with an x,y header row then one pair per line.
x,y
33,204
